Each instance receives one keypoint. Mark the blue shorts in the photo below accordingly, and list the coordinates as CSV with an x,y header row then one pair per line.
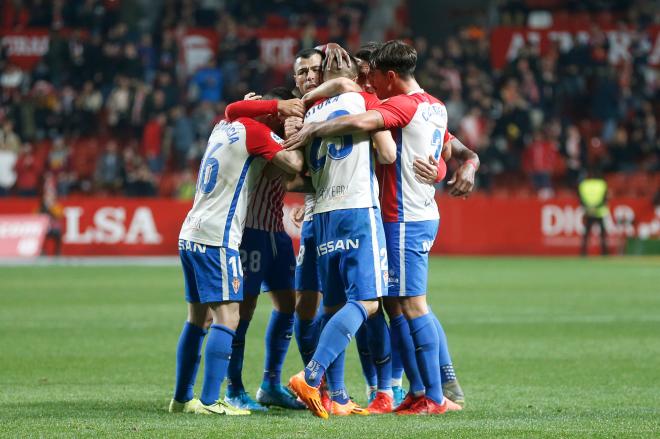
x,y
307,270
408,246
268,261
351,254
211,274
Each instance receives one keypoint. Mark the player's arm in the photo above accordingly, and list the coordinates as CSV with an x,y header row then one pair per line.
x,y
256,108
434,170
369,121
385,146
462,182
263,142
330,88
300,183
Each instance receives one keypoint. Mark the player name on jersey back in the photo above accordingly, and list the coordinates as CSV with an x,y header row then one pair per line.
x,y
342,167
226,174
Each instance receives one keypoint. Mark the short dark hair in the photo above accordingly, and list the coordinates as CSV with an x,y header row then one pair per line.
x,y
308,53
366,50
279,93
397,56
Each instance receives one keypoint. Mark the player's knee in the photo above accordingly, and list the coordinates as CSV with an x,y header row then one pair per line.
x,y
307,303
226,314
370,306
198,315
392,307
284,301
413,307
247,307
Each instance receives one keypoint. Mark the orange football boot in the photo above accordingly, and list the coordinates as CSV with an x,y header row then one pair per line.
x,y
308,395
350,408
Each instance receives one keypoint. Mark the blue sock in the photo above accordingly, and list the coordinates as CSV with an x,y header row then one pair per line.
x,y
397,364
216,361
403,343
235,371
187,361
306,332
334,376
278,338
446,367
381,348
368,368
425,337
334,338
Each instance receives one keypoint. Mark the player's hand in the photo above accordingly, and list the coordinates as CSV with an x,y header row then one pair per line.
x,y
291,107
292,125
301,138
297,214
462,182
426,171
334,51
252,96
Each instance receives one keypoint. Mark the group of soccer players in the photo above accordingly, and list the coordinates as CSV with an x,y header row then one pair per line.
x,y
369,221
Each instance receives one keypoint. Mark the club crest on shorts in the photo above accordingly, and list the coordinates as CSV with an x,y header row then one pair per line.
x,y
236,284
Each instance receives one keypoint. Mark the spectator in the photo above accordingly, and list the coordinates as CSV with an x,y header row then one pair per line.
x,y
7,172
207,83
27,172
183,138
152,143
540,160
109,169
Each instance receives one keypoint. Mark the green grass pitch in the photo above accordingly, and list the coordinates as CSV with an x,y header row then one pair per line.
x,y
543,348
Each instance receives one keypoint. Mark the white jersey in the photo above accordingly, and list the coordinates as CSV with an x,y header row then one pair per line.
x,y
418,123
310,204
342,167
231,166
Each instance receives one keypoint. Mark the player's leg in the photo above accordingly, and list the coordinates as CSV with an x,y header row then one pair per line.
x,y
450,386
381,348
367,362
603,236
417,238
190,341
401,339
308,297
253,261
219,280
331,227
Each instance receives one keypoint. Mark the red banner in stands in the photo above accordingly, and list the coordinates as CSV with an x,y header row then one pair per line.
x,y
506,42
480,225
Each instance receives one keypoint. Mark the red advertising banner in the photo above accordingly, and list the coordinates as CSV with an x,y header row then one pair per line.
x,y
22,235
480,225
506,42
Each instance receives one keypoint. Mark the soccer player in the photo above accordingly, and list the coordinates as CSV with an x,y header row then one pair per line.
x,y
350,245
409,210
209,249
430,172
268,264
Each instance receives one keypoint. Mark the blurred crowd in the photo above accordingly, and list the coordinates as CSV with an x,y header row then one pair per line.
x,y
110,110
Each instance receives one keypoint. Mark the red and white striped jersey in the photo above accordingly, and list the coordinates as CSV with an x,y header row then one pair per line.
x,y
266,204
418,122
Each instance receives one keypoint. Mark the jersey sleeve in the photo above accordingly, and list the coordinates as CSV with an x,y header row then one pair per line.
x,y
260,140
250,109
397,111
442,170
371,101
448,137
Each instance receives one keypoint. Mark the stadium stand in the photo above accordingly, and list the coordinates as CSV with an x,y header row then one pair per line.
x,y
110,109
